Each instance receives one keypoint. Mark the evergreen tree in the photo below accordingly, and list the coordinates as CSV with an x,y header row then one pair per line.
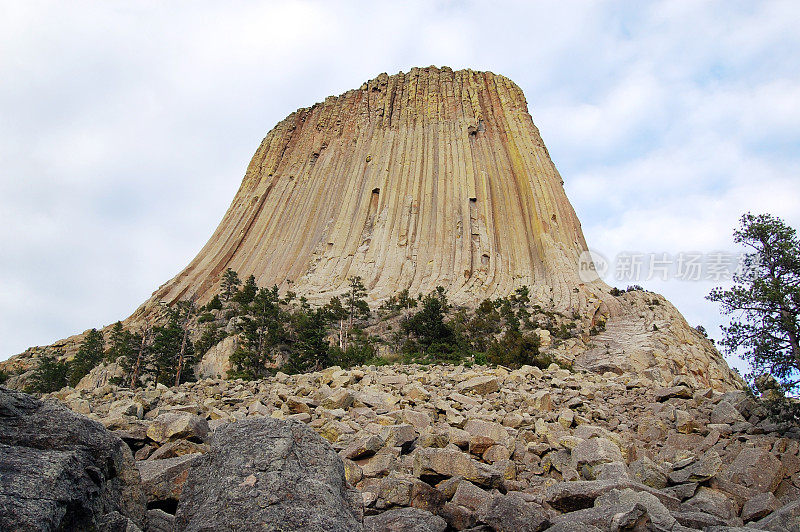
x,y
166,349
49,376
431,333
515,349
214,304
356,305
186,310
122,346
262,328
311,350
484,325
764,301
90,354
248,292
229,284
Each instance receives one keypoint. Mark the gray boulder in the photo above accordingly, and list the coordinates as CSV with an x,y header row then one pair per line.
x,y
62,471
405,520
511,513
264,472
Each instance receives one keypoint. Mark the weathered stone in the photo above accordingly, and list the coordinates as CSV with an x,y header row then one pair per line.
x,y
755,468
595,451
171,449
452,463
480,385
469,495
647,472
175,426
784,519
399,436
712,502
340,398
60,470
512,513
404,520
159,521
163,480
571,496
679,392
362,448
724,412
262,470
759,506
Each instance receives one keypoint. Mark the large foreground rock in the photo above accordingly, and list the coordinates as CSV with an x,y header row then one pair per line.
x,y
262,473
62,471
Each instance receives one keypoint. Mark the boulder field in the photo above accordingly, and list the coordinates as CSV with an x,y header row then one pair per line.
x,y
410,448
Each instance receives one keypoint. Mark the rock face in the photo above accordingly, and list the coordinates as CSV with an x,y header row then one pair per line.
x,y
268,472
61,471
419,179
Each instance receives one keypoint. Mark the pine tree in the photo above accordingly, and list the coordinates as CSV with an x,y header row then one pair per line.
x,y
186,310
90,354
261,330
248,292
765,301
168,340
229,285
311,350
356,305
49,376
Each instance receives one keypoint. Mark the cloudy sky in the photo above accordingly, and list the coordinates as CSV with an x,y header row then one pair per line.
x,y
125,127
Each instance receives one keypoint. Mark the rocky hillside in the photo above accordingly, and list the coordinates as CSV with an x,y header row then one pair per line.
x,y
451,447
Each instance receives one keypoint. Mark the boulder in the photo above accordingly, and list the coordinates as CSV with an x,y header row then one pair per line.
x,y
512,513
724,412
263,472
62,471
216,361
759,506
785,519
678,392
163,480
362,448
177,426
481,385
430,462
595,451
581,494
647,472
405,520
755,468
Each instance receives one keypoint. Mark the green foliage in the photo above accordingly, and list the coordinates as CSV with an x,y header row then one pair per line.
x,y
90,354
354,300
210,337
205,317
427,331
311,350
764,301
49,376
261,330
616,292
214,304
485,323
248,292
515,349
165,351
229,285
3,376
